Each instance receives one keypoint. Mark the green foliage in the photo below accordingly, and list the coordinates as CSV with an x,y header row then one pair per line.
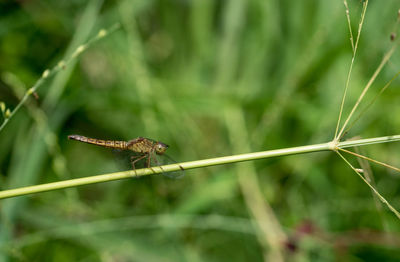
x,y
209,78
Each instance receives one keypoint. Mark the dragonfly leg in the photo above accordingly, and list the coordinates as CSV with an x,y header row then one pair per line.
x,y
135,159
148,162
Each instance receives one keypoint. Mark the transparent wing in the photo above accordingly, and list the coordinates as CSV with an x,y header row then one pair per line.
x,y
160,160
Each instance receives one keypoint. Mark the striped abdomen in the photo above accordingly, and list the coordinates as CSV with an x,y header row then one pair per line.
x,y
99,142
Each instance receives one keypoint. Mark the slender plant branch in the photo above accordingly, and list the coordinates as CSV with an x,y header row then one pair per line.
x,y
349,24
376,73
367,173
343,130
383,200
333,146
50,72
370,104
368,141
365,4
370,159
384,61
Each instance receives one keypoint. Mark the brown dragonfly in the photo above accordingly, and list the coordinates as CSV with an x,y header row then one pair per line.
x,y
141,147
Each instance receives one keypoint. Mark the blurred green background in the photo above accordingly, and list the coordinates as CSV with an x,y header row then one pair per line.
x,y
209,78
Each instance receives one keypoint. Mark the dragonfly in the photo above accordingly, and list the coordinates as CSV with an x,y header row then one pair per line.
x,y
141,148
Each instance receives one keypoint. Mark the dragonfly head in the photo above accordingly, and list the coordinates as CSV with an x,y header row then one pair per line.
x,y
161,148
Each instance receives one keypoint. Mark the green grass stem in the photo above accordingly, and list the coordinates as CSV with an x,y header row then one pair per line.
x,y
354,48
60,65
374,190
194,164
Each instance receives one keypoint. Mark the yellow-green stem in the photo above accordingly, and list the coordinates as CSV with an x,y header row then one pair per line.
x,y
194,164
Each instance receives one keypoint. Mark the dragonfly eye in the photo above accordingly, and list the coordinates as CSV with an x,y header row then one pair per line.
x,y
161,147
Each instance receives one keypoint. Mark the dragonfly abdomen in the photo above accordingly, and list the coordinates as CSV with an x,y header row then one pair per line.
x,y
100,142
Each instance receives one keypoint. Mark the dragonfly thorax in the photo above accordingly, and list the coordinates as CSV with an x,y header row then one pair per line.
x,y
145,145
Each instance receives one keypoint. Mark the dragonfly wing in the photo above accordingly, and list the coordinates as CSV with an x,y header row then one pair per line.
x,y
160,160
